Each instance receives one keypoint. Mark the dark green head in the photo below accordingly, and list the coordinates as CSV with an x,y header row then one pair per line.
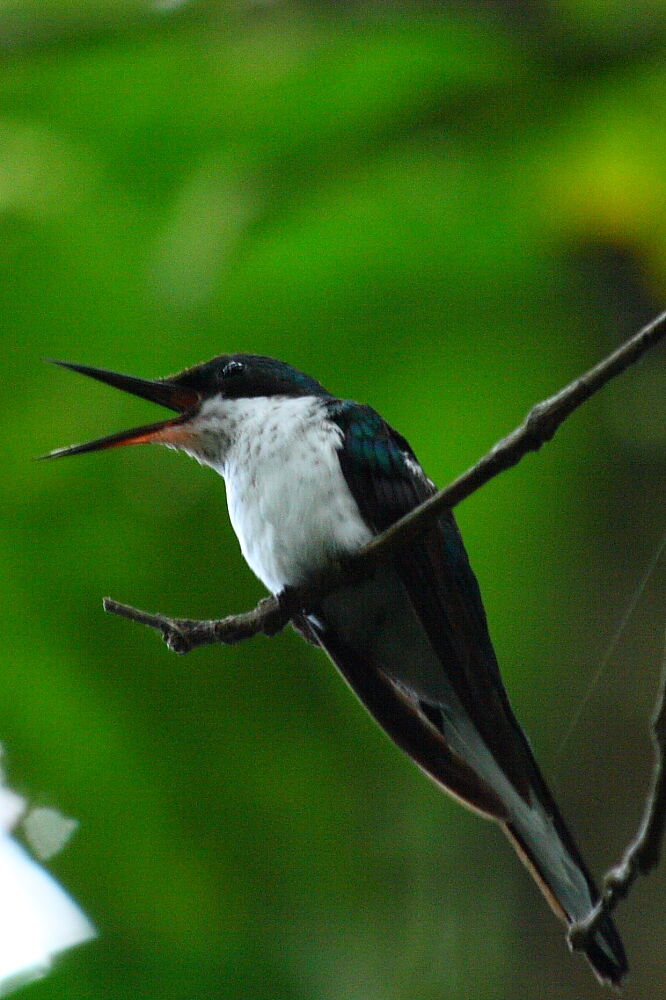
x,y
229,376
242,376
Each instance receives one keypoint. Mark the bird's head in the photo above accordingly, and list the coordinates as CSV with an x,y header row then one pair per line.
x,y
199,395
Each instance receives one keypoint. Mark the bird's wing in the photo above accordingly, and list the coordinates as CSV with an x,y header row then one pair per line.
x,y
387,481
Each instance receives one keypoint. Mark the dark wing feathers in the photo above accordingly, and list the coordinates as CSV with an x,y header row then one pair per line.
x,y
375,461
387,482
415,731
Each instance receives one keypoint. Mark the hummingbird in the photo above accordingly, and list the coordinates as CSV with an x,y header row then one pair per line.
x,y
310,479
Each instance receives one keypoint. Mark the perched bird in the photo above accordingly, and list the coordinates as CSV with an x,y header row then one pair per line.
x,y
310,479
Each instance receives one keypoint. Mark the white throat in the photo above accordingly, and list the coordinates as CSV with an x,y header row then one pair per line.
x,y
288,501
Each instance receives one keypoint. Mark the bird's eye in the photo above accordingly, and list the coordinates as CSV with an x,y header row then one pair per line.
x,y
232,368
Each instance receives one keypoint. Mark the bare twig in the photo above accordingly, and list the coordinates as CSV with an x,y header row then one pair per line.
x,y
273,613
184,634
269,617
643,853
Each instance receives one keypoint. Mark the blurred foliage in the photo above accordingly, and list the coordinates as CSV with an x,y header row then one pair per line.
x,y
447,210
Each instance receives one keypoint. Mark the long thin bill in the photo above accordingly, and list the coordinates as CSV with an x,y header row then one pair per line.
x,y
161,391
162,432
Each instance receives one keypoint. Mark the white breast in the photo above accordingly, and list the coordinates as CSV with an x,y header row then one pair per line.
x,y
288,500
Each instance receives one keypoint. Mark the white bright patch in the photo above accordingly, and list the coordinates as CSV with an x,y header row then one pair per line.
x,y
47,831
37,917
12,807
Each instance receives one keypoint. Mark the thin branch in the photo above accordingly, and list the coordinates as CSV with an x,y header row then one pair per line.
x,y
273,613
270,616
643,853
539,426
183,634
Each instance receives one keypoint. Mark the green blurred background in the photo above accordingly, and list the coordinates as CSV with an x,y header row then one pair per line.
x,y
448,211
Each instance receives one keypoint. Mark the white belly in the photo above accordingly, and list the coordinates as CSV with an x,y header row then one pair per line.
x,y
288,500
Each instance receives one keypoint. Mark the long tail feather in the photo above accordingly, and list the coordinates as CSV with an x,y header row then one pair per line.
x,y
570,892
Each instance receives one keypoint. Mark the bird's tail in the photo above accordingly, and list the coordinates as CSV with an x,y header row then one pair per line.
x,y
548,850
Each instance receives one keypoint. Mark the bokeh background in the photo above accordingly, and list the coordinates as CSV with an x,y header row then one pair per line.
x,y
447,210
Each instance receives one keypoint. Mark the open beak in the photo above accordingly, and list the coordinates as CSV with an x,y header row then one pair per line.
x,y
166,392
